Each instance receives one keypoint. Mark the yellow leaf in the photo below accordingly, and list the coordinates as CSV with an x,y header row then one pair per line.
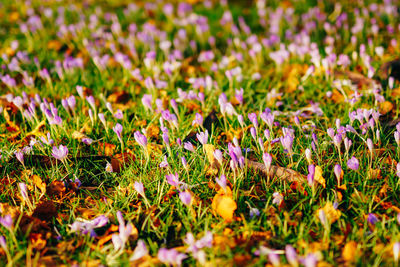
x,y
78,135
224,205
349,252
331,213
318,176
385,107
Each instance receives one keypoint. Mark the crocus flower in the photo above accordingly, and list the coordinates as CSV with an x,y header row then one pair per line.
x,y
338,171
370,145
90,100
287,143
124,231
20,156
267,158
60,153
274,259
170,256
23,190
253,133
119,115
173,179
84,227
188,146
140,139
396,251
185,197
139,188
6,221
202,137
87,141
198,120
3,243
353,163
253,118
140,251
102,119
291,255
311,173
277,198
254,212
398,169
118,130
372,219
221,181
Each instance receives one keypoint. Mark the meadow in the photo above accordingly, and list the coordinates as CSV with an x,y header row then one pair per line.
x,y
199,133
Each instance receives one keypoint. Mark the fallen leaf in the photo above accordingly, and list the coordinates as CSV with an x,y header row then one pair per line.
x,y
224,205
385,107
331,213
318,176
39,183
349,251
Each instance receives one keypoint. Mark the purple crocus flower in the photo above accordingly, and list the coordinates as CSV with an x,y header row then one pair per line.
x,y
338,171
20,156
90,100
396,251
164,163
139,188
185,197
170,256
221,181
23,190
102,119
188,146
198,120
6,221
84,227
118,114
253,119
253,133
118,130
140,139
287,143
291,255
140,251
124,231
398,169
267,158
372,219
311,173
60,153
370,145
173,179
353,163
3,243
202,137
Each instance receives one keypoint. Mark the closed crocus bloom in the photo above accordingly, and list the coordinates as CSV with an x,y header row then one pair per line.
x,y
338,171
139,188
397,137
370,145
267,158
118,130
291,255
308,154
253,133
218,156
221,181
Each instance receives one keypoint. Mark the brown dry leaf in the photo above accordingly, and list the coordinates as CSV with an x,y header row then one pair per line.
x,y
350,252
106,149
54,45
11,126
224,205
37,240
318,176
153,131
39,183
56,188
385,107
119,160
118,97
337,97
375,173
45,211
331,213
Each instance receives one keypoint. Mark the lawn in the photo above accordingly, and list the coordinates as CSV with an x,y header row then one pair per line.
x,y
199,133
